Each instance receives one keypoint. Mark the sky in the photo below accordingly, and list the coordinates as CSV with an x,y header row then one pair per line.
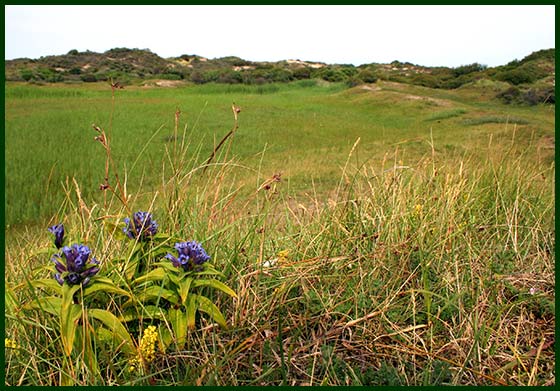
x,y
423,35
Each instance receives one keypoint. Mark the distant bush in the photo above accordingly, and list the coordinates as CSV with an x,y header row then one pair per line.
x,y
353,82
229,76
27,74
168,74
367,76
210,76
197,77
49,75
362,75
255,77
540,95
522,75
331,74
466,69
456,82
531,97
347,70
426,80
301,73
233,61
545,54
88,78
515,76
279,75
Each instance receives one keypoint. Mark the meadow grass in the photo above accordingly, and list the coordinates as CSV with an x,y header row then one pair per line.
x,y
385,254
303,131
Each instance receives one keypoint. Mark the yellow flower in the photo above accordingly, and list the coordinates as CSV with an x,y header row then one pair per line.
x,y
148,344
146,350
283,255
417,209
10,344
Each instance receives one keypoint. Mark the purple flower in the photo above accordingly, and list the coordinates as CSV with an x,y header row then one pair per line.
x,y
142,226
191,254
58,231
73,267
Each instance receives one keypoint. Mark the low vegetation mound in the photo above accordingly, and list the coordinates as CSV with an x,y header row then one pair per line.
x,y
527,81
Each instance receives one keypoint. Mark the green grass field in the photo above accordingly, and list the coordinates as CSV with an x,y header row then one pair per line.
x,y
387,235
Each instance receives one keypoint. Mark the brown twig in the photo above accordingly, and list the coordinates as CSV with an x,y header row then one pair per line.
x,y
236,111
104,141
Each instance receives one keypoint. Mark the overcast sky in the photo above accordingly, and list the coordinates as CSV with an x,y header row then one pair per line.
x,y
423,35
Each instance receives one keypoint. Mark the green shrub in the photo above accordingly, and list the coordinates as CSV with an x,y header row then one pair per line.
x,y
426,80
535,96
466,69
89,78
347,70
531,97
197,77
521,75
229,76
49,75
367,76
27,74
354,81
331,74
279,75
301,73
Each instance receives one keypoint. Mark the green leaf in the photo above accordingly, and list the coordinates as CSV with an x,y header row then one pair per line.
x,y
161,251
130,268
209,270
205,305
156,293
48,283
10,300
154,275
191,311
215,284
162,237
117,328
165,337
167,265
103,284
43,251
176,279
69,316
184,287
178,321
146,312
115,229
51,305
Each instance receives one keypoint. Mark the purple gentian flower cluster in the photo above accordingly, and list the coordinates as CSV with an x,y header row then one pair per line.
x,y
142,226
191,255
58,231
72,262
73,267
